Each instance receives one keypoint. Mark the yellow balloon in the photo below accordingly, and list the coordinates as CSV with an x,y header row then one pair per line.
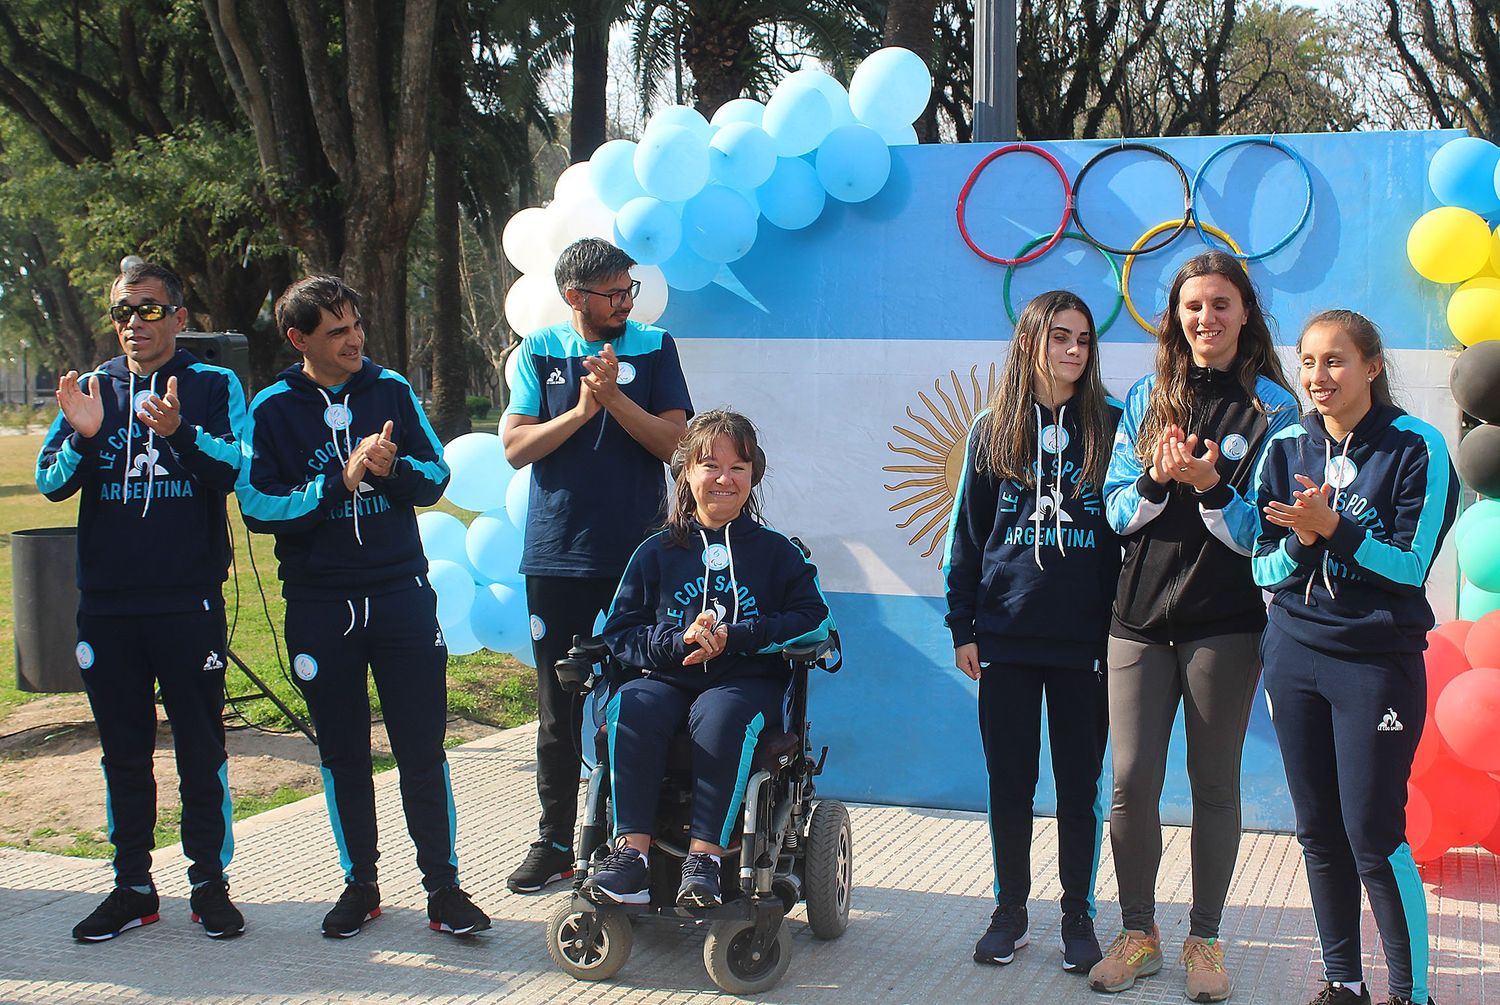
x,y
1474,311
1449,244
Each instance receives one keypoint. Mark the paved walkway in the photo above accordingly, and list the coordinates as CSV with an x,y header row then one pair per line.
x,y
922,880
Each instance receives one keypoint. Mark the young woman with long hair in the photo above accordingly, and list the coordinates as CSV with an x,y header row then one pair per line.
x,y
1356,500
1187,616
1031,568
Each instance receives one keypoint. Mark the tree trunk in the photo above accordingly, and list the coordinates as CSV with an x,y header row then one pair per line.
x,y
377,269
448,414
714,49
590,74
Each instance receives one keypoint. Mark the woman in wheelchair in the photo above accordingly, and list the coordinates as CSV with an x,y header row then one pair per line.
x,y
703,609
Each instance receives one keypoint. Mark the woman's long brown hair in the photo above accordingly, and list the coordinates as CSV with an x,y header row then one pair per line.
x,y
1008,447
695,445
1171,402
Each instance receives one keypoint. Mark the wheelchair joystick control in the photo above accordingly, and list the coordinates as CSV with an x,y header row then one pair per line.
x,y
575,671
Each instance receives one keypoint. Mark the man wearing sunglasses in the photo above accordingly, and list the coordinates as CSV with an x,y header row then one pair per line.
x,y
150,441
597,409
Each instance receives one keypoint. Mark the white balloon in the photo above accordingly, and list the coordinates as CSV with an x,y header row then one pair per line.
x,y
531,240
576,180
582,215
533,302
652,302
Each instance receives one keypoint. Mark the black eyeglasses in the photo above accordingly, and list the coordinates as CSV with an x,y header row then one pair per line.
x,y
618,297
146,312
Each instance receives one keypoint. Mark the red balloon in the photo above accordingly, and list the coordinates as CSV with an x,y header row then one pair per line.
x,y
1491,842
1428,835
1468,716
1465,800
1445,661
1430,749
1454,631
1482,645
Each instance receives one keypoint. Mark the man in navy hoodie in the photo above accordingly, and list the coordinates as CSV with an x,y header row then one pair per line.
x,y
149,440
338,456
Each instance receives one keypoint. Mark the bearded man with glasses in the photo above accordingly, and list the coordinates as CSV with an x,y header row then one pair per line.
x,y
150,441
598,406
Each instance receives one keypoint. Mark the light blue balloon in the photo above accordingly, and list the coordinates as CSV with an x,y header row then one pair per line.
x,y
442,536
890,87
797,119
853,163
719,224
479,469
739,110
648,230
688,271
671,163
460,638
455,592
681,115
1462,173
494,547
793,197
518,498
839,112
741,155
613,173
498,618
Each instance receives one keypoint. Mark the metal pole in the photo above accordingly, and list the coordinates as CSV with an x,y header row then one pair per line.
x,y
994,71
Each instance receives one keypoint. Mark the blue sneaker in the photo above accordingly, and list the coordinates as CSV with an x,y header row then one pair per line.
x,y
700,882
622,879
1006,934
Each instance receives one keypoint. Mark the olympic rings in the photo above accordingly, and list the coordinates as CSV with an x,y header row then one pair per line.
x,y
963,197
1177,227
1263,141
1114,267
1187,196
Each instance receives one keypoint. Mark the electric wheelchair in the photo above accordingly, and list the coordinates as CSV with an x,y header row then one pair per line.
x,y
789,848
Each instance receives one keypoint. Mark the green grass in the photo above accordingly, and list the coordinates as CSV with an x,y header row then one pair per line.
x,y
486,687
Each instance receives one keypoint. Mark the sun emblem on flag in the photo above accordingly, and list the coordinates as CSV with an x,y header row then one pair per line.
x,y
938,449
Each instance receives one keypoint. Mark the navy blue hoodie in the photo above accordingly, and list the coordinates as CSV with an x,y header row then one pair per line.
x,y
758,583
1031,571
1396,494
152,533
332,543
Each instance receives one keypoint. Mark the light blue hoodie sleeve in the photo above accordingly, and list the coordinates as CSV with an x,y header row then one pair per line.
x,y
1131,498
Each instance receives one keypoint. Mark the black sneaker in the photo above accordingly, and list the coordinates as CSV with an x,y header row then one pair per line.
x,y
700,882
545,863
621,879
1337,994
1400,1000
1006,934
212,909
1080,946
359,903
121,911
451,910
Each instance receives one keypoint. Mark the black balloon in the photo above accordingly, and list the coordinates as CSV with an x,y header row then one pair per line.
x,y
1479,459
1476,380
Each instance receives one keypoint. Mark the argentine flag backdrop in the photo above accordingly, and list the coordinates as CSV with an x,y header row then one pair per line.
x,y
863,345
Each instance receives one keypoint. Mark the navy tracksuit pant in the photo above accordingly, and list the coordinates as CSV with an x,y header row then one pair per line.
x,y
724,720
1010,726
560,607
395,636
123,660
1348,730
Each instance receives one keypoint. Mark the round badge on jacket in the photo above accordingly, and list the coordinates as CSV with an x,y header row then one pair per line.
x,y
626,374
304,666
337,417
716,557
1235,446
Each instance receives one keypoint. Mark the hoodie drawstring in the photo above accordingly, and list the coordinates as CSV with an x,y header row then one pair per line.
x,y
1338,493
1036,544
353,617
130,444
734,586
344,455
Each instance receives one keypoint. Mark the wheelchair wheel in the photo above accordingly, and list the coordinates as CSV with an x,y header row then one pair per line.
x,y
594,960
735,968
828,870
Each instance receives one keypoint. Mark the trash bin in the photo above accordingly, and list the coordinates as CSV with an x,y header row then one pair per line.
x,y
44,595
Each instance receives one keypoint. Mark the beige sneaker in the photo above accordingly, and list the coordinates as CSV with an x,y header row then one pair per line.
x,y
1132,955
1207,980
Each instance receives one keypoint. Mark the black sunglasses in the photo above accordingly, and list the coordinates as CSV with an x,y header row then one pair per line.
x,y
617,297
120,313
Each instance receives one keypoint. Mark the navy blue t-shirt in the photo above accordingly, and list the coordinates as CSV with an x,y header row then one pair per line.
x,y
598,495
